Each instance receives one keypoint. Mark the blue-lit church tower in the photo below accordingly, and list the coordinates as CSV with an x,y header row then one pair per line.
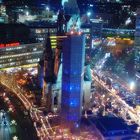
x,y
72,80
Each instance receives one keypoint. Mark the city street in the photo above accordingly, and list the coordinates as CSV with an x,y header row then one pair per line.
x,y
14,122
69,69
5,130
113,92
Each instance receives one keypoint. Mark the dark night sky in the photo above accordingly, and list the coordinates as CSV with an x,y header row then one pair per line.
x,y
32,2
57,3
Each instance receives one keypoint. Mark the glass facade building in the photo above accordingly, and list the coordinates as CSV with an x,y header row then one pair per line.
x,y
40,30
93,33
72,79
16,54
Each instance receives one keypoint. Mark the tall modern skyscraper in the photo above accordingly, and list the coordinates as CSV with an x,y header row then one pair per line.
x,y
72,79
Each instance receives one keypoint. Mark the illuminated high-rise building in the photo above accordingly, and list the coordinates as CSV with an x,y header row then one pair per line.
x,y
72,79
92,31
18,49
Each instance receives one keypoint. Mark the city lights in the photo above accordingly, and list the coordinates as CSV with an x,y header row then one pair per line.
x,y
47,8
72,32
15,44
132,85
128,21
65,69
88,14
27,13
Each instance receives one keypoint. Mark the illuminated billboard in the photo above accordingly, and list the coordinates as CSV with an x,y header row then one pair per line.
x,y
15,44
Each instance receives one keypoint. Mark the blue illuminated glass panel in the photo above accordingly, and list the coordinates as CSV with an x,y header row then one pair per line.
x,y
73,64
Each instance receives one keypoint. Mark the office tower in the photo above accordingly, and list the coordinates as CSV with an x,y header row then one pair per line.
x,y
72,79
18,48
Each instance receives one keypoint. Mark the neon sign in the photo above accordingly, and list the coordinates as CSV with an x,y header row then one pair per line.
x,y
15,44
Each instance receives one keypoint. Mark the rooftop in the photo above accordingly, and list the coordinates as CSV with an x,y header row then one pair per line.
x,y
112,126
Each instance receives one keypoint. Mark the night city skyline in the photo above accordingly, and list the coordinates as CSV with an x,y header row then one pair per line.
x,y
69,69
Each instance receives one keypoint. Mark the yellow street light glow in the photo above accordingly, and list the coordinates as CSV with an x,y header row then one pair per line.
x,y
110,37
126,39
53,37
22,66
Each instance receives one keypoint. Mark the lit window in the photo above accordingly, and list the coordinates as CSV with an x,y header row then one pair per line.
x,y
34,49
38,31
